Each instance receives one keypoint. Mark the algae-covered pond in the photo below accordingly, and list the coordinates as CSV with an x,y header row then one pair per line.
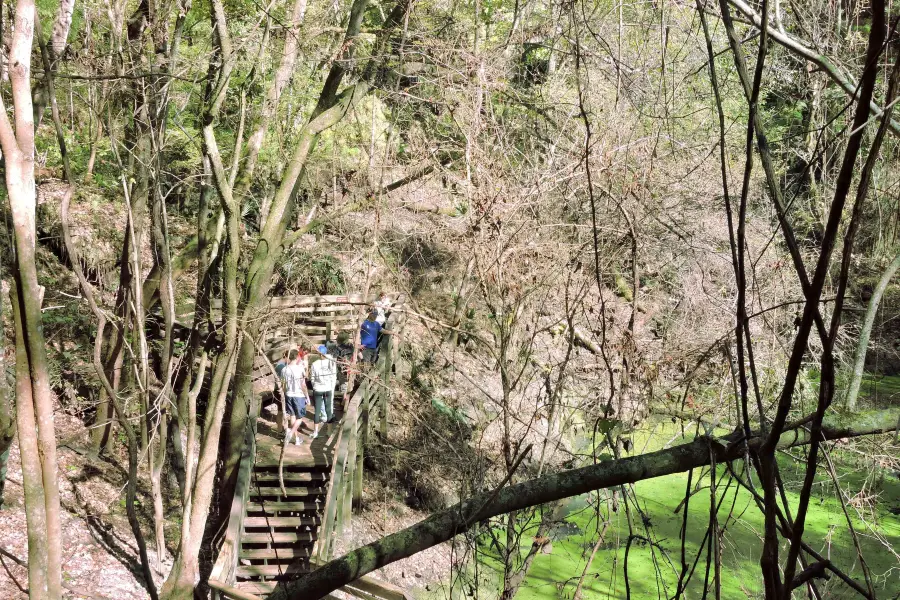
x,y
654,569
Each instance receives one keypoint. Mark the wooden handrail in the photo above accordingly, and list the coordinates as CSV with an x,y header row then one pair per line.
x,y
331,520
226,563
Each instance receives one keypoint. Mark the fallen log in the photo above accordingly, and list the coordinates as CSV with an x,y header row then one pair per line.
x,y
444,525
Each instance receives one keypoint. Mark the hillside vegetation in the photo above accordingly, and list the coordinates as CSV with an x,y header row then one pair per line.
x,y
647,258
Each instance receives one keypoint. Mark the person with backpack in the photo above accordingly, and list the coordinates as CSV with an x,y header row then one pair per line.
x,y
293,380
323,374
342,352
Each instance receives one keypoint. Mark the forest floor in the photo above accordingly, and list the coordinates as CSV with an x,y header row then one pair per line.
x,y
100,558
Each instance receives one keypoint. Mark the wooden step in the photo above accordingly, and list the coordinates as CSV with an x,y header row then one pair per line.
x,y
275,553
275,507
257,588
278,537
275,490
272,476
247,571
304,460
272,522
264,588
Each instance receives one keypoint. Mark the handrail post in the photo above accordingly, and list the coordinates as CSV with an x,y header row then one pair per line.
x,y
346,498
363,438
385,376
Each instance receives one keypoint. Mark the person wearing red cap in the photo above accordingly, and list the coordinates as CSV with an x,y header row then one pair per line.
x,y
293,378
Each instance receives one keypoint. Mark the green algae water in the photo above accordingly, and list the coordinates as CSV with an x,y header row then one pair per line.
x,y
654,558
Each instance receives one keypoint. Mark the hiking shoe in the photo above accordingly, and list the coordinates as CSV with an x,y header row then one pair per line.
x,y
314,435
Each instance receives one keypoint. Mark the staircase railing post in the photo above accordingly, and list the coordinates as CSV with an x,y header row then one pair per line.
x,y
385,376
346,497
363,438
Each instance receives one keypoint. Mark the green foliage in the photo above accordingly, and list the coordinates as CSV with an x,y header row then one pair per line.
x,y
181,154
449,412
305,272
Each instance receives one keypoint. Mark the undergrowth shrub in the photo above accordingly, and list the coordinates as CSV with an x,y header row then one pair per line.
x,y
304,272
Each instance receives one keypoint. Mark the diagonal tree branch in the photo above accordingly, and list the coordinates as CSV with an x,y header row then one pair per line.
x,y
444,525
846,83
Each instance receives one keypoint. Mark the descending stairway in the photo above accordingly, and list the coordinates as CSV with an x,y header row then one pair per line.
x,y
279,531
275,535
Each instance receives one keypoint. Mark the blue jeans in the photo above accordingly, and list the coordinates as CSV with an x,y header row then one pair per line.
x,y
324,406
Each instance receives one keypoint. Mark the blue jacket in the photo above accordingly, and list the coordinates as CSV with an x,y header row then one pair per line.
x,y
368,334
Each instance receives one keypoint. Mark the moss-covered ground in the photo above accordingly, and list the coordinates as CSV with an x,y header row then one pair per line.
x,y
653,569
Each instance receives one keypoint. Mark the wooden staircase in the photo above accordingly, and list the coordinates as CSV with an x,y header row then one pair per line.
x,y
280,531
276,535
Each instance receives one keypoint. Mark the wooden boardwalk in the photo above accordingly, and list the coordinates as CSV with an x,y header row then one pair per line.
x,y
311,453
287,513
281,524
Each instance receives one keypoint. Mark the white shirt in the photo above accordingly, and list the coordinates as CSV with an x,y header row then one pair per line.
x,y
294,378
324,374
380,306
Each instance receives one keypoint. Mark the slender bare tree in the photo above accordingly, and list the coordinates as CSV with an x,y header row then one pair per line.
x,y
34,414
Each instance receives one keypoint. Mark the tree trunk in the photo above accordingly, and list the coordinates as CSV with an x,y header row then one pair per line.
x,y
35,511
35,400
60,32
58,37
862,347
185,572
330,110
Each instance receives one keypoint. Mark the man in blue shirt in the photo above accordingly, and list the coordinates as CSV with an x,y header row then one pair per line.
x,y
368,337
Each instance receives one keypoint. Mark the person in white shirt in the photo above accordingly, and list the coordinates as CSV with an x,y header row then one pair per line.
x,y
323,374
293,380
381,305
